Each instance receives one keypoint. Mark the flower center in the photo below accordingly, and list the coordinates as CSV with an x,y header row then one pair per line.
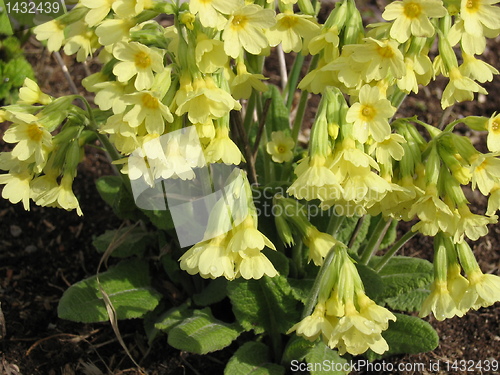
x,y
239,21
386,52
142,60
412,10
368,112
289,21
35,133
495,126
150,101
281,149
472,5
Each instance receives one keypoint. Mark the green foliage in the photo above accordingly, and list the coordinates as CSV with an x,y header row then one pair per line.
x,y
408,334
201,333
113,191
125,242
263,305
321,353
405,280
252,358
14,68
129,289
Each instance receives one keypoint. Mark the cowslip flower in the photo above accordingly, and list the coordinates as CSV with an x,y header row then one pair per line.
x,y
30,93
370,115
137,60
411,18
493,138
147,108
290,29
52,32
319,244
222,148
477,69
61,196
460,88
478,15
485,170
314,325
244,82
440,302
211,12
81,40
204,100
17,187
33,140
245,30
99,9
280,147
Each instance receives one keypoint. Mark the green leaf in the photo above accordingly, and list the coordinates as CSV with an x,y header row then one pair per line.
x,y
409,335
173,317
127,285
329,359
301,288
213,293
374,286
160,219
266,304
278,115
114,193
252,358
402,275
279,260
297,349
128,241
409,301
202,333
5,26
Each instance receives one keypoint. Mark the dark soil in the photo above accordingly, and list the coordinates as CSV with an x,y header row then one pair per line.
x,y
45,250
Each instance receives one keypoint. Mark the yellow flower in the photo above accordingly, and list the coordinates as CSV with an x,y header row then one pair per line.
x,y
328,41
114,30
81,40
61,196
493,139
378,58
319,244
314,325
485,169
389,149
17,187
355,334
370,115
478,15
210,11
99,9
30,93
245,30
472,225
222,148
209,54
477,69
290,29
459,89
243,83
112,95
33,141
149,109
280,148
315,180
204,101
411,18
53,32
483,291
210,259
440,302
137,60
253,264
130,8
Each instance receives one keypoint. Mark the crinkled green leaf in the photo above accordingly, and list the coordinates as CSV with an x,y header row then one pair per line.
x,y
127,241
214,292
202,333
174,316
128,286
252,358
408,301
297,349
327,357
266,304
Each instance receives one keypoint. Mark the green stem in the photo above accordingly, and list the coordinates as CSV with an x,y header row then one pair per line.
x,y
277,345
376,238
298,258
249,112
398,245
334,223
293,78
318,283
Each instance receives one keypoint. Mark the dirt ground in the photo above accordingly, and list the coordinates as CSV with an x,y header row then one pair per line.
x,y
45,250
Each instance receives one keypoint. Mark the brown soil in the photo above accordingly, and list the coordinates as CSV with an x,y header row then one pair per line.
x,y
45,250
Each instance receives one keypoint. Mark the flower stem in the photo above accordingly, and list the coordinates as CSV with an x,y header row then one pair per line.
x,y
376,238
318,283
390,253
